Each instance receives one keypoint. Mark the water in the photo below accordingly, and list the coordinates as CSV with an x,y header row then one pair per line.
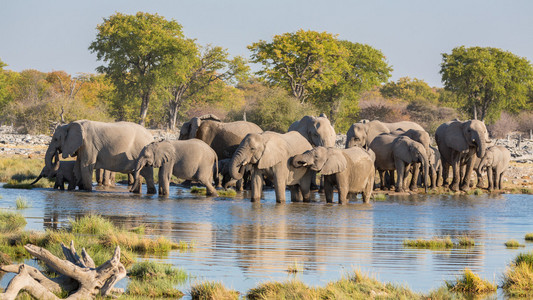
x,y
242,244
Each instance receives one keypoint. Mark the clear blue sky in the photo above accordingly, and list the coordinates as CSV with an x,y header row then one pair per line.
x,y
55,35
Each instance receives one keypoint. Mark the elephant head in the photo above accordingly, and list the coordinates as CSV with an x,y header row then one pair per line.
x,y
486,160
321,159
189,129
154,155
411,151
67,139
47,171
262,150
357,135
320,131
469,134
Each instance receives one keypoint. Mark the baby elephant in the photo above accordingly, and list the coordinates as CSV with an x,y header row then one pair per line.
x,y
350,170
62,171
496,160
186,159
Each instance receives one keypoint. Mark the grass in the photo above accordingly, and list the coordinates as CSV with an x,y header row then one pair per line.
x,y
518,278
91,224
210,290
465,241
513,244
470,283
476,192
26,184
434,243
20,168
379,197
11,222
221,193
22,203
198,190
294,268
529,237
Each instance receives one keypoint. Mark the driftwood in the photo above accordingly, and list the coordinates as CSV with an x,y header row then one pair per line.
x,y
79,276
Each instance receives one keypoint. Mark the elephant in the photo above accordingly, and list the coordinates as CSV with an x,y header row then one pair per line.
x,y
397,153
190,159
62,171
270,154
363,132
224,138
227,180
496,161
435,167
110,146
350,170
317,130
105,177
459,142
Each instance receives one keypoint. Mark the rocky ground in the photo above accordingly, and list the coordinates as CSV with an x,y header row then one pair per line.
x,y
520,172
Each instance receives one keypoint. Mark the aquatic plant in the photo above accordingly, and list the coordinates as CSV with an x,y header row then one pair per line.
x,y
91,224
518,280
434,243
470,283
294,268
210,290
11,222
227,193
513,244
465,241
22,203
379,197
529,237
198,190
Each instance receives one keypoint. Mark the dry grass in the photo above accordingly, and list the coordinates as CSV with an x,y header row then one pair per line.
x,y
513,244
434,243
210,290
470,283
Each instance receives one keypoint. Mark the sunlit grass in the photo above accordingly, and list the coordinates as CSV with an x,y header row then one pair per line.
x,y
227,193
529,237
513,244
210,290
198,190
379,196
91,224
470,283
20,168
26,184
11,221
465,241
22,203
434,243
518,278
294,268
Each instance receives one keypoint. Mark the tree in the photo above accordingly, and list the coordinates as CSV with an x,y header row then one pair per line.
x,y
487,80
409,90
367,67
139,49
304,62
207,66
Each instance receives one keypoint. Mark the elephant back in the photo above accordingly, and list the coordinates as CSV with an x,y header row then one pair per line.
x,y
297,144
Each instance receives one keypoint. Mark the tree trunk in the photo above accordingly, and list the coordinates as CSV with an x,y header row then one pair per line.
x,y
144,107
79,276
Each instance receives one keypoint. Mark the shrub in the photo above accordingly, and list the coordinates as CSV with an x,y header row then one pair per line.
x,y
525,121
506,124
518,280
470,283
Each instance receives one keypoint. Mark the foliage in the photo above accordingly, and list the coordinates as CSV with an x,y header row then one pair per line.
x,y
470,283
529,236
304,62
139,50
487,80
409,90
147,269
91,224
11,222
429,115
270,107
212,291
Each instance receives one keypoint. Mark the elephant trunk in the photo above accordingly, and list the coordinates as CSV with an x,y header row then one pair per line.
x,y
237,165
37,179
482,162
300,160
481,145
51,152
138,167
425,165
55,165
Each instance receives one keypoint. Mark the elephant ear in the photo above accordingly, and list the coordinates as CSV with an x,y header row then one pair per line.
x,y
335,163
193,129
73,140
163,153
455,137
273,154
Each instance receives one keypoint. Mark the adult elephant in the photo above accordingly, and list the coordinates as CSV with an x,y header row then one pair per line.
x,y
109,146
458,143
270,155
317,130
363,132
224,138
396,153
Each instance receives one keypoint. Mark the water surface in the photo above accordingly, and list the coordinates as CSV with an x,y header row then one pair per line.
x,y
242,244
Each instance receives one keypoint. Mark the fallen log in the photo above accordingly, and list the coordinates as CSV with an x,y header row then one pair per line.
x,y
79,275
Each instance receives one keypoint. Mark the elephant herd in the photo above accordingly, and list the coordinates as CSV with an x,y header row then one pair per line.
x,y
245,154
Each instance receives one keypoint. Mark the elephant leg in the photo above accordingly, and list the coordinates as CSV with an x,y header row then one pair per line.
x,y
257,185
400,170
328,191
479,176
87,178
392,182
381,179
239,185
296,193
433,176
313,185
305,187
71,185
500,180
279,188
98,174
497,179
131,180
490,178
445,173
367,192
164,176
148,174
209,188
465,186
414,179
454,186
343,193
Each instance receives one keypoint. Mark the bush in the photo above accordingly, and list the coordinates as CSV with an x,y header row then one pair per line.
x,y
429,115
383,110
10,221
505,125
525,121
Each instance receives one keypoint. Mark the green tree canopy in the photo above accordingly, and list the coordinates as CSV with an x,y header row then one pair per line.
x,y
304,62
410,90
367,67
487,80
139,49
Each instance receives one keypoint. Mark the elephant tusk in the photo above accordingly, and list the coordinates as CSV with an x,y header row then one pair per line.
x,y
244,164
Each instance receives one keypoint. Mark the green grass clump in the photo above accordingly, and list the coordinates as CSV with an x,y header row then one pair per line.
x,y
513,244
26,184
518,278
198,190
22,203
227,193
526,258
470,283
465,241
435,243
11,222
155,288
150,269
379,197
292,289
210,290
529,237
92,224
294,268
